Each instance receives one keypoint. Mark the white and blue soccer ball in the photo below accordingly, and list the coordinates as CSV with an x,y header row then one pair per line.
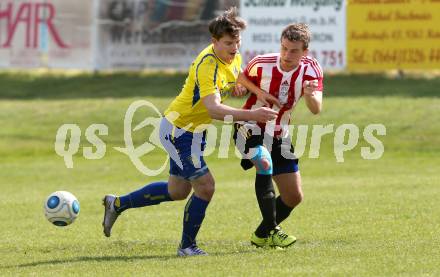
x,y
61,208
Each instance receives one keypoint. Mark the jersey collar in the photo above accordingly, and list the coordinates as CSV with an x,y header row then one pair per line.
x,y
218,58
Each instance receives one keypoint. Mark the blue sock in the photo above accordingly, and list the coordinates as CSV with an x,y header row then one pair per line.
x,y
151,194
192,220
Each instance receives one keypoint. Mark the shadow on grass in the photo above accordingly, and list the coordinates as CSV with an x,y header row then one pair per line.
x,y
124,258
95,259
121,85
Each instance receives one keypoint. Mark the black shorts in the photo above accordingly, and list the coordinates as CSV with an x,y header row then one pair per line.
x,y
280,164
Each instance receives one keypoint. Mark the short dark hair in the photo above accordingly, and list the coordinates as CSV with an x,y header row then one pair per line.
x,y
297,32
228,23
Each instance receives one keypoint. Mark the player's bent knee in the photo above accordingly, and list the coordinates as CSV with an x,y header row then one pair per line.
x,y
293,200
206,191
262,161
209,189
180,194
265,164
300,197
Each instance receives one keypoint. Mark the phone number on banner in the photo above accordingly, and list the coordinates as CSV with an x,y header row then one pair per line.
x,y
326,58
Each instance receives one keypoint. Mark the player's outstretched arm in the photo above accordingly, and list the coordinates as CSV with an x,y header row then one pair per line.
x,y
218,111
312,96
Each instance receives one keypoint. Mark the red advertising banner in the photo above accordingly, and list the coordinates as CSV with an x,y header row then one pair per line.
x,y
43,33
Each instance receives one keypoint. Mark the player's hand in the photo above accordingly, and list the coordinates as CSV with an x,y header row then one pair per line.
x,y
268,99
239,91
264,114
310,87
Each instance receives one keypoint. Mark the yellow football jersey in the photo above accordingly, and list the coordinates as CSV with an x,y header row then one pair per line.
x,y
208,74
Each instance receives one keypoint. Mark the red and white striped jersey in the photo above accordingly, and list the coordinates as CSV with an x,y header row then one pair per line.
x,y
265,72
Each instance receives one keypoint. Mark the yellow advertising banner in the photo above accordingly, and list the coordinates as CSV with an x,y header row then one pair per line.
x,y
393,34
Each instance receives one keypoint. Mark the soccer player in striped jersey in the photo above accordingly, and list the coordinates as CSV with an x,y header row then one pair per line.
x,y
289,76
212,76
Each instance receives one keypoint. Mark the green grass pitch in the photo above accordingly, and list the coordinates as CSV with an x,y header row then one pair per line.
x,y
359,218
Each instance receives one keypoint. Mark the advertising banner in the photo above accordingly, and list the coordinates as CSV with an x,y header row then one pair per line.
x,y
139,34
43,33
267,19
393,34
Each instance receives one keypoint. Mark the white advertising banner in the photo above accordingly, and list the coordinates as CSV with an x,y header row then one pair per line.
x,y
147,34
267,18
46,33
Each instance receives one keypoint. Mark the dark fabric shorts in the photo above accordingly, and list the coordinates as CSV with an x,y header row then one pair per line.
x,y
280,163
185,150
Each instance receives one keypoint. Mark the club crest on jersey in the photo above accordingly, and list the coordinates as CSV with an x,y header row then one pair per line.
x,y
284,92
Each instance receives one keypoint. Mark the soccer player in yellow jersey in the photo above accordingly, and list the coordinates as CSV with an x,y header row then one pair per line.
x,y
212,76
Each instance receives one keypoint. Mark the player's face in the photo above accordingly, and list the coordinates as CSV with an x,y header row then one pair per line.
x,y
226,47
291,53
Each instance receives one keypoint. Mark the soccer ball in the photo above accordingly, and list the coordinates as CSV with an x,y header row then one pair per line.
x,y
61,208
